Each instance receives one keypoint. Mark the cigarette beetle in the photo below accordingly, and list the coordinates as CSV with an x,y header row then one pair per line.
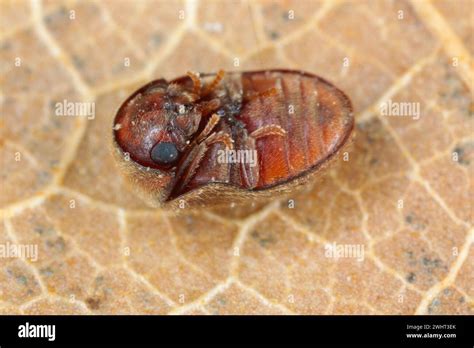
x,y
204,139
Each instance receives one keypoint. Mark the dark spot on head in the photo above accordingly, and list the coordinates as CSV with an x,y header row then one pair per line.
x,y
164,153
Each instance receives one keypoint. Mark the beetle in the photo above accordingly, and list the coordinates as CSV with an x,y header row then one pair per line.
x,y
205,139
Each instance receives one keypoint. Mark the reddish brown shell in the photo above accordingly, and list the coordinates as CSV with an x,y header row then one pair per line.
x,y
316,116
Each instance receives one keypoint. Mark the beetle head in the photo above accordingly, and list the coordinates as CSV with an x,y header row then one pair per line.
x,y
156,124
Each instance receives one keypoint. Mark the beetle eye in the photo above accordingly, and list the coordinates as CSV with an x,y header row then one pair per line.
x,y
164,153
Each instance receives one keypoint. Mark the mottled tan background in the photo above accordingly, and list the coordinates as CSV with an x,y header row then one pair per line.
x,y
102,251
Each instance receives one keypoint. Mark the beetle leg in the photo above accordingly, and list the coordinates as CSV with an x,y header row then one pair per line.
x,y
220,137
189,166
208,128
271,129
180,95
249,173
252,96
207,107
210,87
196,83
192,161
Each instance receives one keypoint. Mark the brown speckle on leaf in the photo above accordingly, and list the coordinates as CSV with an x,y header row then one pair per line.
x,y
411,278
93,303
263,239
465,153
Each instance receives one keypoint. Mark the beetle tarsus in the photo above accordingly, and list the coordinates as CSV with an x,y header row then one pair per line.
x,y
196,83
207,107
210,87
195,156
271,129
213,121
265,94
223,137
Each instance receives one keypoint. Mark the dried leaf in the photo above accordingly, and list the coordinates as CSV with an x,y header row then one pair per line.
x,y
399,210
